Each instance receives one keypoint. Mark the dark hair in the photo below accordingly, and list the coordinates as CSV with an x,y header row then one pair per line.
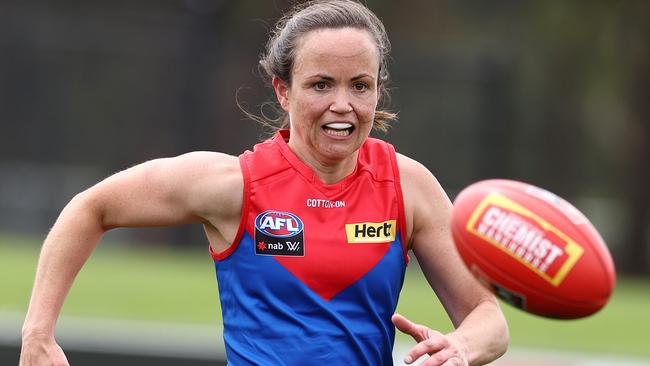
x,y
279,55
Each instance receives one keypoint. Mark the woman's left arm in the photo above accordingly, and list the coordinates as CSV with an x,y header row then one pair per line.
x,y
481,333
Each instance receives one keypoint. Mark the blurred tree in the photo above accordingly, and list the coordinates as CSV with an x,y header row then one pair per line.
x,y
584,77
551,92
634,50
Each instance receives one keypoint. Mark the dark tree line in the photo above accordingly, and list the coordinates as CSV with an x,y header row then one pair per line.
x,y
554,93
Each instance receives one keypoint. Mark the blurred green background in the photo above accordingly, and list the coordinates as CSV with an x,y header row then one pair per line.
x,y
179,286
554,93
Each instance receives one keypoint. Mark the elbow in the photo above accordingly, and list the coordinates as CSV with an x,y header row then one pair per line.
x,y
86,208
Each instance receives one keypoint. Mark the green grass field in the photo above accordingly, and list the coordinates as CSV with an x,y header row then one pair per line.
x,y
159,284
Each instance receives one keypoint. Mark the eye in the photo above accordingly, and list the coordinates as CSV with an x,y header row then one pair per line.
x,y
320,85
359,86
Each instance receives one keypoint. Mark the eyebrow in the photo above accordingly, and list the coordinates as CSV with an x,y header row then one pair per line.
x,y
329,78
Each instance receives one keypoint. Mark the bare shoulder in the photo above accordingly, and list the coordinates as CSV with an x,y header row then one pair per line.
x,y
426,203
204,162
214,181
193,187
186,168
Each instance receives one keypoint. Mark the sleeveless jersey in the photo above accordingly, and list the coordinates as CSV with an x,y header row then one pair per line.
x,y
314,274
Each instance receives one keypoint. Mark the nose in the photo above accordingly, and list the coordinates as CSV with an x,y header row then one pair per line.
x,y
341,103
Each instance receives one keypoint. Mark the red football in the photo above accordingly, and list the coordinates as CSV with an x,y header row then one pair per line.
x,y
532,248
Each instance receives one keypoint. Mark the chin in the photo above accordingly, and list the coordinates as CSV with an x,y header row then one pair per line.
x,y
339,152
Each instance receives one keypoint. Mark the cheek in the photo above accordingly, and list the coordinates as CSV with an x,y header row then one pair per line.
x,y
371,101
309,109
366,111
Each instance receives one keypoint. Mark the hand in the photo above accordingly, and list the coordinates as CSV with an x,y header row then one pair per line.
x,y
39,349
442,349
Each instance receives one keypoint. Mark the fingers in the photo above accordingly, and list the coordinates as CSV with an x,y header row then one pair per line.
x,y
443,351
455,361
403,324
444,361
418,332
434,346
442,357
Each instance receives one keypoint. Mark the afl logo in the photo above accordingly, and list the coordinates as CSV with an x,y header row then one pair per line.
x,y
278,224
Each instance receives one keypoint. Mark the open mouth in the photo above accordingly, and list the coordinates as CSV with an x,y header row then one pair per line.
x,y
338,129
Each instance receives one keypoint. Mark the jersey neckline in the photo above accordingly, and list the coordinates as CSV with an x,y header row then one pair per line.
x,y
280,139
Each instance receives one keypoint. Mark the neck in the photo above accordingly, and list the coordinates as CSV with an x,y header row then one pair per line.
x,y
328,170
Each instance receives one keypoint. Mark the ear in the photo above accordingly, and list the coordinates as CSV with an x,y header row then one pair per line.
x,y
281,92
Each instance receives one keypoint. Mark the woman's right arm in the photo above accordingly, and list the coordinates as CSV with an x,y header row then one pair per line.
x,y
196,187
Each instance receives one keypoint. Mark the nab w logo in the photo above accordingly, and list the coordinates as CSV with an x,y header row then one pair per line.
x,y
293,246
371,232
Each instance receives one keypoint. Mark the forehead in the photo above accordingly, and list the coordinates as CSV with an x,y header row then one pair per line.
x,y
338,46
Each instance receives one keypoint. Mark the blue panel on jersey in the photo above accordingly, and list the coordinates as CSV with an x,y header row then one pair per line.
x,y
272,318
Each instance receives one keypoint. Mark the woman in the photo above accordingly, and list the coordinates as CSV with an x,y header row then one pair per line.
x,y
309,232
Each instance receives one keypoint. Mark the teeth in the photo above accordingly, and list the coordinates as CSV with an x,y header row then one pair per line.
x,y
339,125
340,133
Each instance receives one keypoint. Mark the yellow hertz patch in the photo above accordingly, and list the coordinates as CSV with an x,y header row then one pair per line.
x,y
525,236
371,232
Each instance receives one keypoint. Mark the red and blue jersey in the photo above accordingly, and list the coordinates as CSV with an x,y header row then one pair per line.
x,y
314,274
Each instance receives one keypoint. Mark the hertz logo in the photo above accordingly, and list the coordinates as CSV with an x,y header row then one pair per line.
x,y
371,232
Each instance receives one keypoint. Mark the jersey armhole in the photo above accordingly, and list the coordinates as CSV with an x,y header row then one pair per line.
x,y
400,203
244,214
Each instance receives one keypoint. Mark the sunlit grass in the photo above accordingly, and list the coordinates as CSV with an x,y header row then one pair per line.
x,y
137,282
621,327
160,284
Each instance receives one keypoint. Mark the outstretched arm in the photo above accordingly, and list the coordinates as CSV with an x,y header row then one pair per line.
x,y
162,192
481,333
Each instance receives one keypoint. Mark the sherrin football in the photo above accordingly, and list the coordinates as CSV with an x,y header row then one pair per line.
x,y
533,249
